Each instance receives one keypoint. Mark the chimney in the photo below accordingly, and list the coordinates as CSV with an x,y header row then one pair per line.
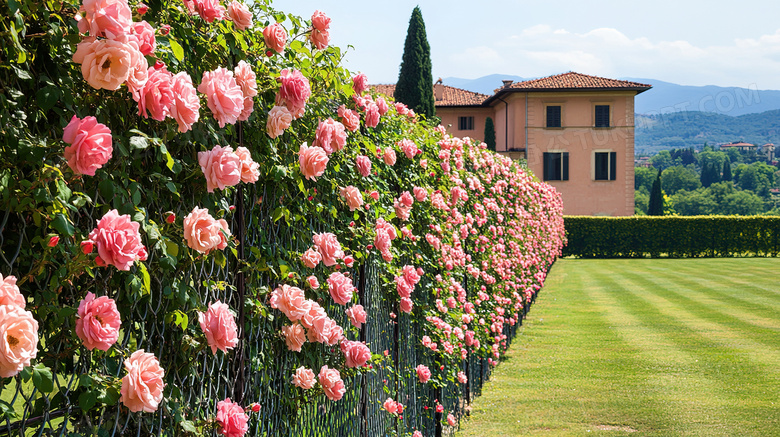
x,y
507,82
438,91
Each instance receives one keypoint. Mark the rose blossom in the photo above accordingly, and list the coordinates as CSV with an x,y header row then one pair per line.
x,y
356,353
372,115
210,10
330,135
313,282
462,378
143,35
408,147
313,161
249,173
359,83
142,387
311,258
406,199
330,380
381,104
363,165
118,241
349,260
352,196
246,78
279,119
320,21
423,373
417,434
98,322
18,339
420,194
293,92
109,18
185,108
389,156
9,292
232,419
406,305
329,247
275,37
203,233
390,406
221,166
219,325
357,315
291,301
294,337
303,378
224,96
451,420
240,14
156,96
138,73
340,288
320,38
349,118
90,145
105,63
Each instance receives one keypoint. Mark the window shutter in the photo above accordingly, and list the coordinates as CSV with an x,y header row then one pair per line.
x,y
565,172
612,165
546,167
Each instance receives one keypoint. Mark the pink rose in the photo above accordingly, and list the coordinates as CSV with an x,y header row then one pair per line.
x,y
224,96
143,35
279,119
389,156
314,313
451,420
319,326
240,14
291,301
210,10
219,325
372,115
390,406
221,167
90,145
359,83
406,199
275,37
363,165
417,434
352,196
420,194
401,211
249,173
406,305
356,353
311,258
142,387
374,194
423,373
330,135
232,419
349,118
249,107
203,233
329,248
18,339
320,39
408,147
186,104
156,96
349,260
293,91
246,78
320,21
138,74
462,378
340,288
118,240
294,337
98,322
330,380
357,315
9,292
381,104
109,18
313,161
303,378
313,282
105,64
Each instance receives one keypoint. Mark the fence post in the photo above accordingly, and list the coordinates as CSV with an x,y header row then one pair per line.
x,y
363,405
238,369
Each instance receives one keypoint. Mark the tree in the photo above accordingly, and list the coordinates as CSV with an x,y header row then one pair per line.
x,y
656,204
709,174
644,177
726,170
678,178
490,134
742,203
662,160
415,80
697,202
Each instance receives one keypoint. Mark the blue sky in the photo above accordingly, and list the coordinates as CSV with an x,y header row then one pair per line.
x,y
690,42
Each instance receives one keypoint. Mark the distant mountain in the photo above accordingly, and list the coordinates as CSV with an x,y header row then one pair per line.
x,y
664,97
692,129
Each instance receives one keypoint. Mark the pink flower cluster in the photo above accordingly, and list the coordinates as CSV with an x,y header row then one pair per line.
x,y
18,330
118,241
320,37
294,92
225,168
405,284
385,234
232,420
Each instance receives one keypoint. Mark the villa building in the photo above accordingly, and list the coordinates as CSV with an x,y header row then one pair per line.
x,y
575,131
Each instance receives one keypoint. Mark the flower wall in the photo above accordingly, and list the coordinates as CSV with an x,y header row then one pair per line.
x,y
209,226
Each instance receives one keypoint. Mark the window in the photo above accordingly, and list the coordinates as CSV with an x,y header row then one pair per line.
x,y
553,116
602,115
556,166
605,166
465,123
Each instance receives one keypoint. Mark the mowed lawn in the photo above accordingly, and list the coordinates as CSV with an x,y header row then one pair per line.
x,y
643,347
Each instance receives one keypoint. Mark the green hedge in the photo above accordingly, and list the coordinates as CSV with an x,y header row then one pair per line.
x,y
700,236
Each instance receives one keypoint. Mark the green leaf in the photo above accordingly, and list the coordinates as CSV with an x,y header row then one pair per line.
x,y
62,225
178,318
63,192
47,97
138,143
87,400
7,410
188,426
146,278
178,51
171,248
42,378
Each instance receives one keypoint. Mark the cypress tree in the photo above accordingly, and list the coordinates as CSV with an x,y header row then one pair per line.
x,y
490,134
415,81
656,204
705,175
726,170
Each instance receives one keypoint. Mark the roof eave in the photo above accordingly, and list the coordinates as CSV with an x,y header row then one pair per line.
x,y
504,91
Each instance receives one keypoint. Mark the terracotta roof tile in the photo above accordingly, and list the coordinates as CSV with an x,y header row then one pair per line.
x,y
451,96
572,80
